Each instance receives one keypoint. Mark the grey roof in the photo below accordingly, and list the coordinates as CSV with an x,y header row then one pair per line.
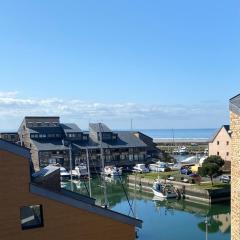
x,y
85,205
70,127
99,127
49,145
14,148
226,127
9,132
45,172
125,139
36,117
234,104
46,130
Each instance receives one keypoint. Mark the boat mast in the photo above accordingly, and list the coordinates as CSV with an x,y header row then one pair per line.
x,y
70,163
173,138
89,174
102,159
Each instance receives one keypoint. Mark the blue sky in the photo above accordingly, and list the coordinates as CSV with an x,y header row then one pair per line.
x,y
166,64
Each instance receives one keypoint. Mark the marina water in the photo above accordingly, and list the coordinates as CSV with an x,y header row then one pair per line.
x,y
166,220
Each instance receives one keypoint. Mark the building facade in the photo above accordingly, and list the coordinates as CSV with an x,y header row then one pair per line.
x,y
10,136
220,145
37,208
50,142
235,167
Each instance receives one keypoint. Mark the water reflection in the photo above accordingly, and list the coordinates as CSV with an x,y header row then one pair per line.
x,y
160,216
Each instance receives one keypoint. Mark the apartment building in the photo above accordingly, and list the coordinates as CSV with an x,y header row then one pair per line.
x,y
50,142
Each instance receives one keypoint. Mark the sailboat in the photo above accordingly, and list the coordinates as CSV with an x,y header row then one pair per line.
x,y
102,158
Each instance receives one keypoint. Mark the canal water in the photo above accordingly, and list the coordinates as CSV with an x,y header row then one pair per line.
x,y
163,220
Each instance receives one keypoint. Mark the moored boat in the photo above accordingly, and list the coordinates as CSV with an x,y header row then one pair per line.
x,y
112,171
140,168
80,171
158,167
164,190
64,174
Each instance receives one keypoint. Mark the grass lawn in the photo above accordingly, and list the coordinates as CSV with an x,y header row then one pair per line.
x,y
177,176
162,175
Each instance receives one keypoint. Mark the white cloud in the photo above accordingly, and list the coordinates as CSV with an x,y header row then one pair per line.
x,y
13,108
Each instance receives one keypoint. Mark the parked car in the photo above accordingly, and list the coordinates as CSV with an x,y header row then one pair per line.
x,y
195,178
185,170
225,179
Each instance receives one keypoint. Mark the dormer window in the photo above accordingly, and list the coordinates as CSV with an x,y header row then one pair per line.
x,y
42,135
114,136
55,124
34,135
85,137
39,124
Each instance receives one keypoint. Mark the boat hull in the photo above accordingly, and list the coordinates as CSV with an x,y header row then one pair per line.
x,y
161,195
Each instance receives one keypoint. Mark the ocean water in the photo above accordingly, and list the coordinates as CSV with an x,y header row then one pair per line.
x,y
180,133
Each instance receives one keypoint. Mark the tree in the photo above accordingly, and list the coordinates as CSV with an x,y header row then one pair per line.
x,y
211,166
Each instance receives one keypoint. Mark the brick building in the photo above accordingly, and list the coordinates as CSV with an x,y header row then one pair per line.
x,y
235,167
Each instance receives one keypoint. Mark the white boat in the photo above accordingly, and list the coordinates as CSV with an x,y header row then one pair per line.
x,y
164,190
183,150
64,174
158,167
112,171
174,166
190,160
140,168
82,170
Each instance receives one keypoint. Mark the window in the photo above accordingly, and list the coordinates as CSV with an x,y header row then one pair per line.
x,y
55,124
227,143
135,157
217,142
31,217
218,153
114,136
85,137
227,153
47,124
52,161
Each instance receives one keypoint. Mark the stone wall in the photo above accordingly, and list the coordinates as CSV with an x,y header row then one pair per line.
x,y
235,171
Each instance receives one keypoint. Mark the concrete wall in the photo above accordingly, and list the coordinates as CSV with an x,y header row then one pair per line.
x,y
222,137
235,172
60,221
